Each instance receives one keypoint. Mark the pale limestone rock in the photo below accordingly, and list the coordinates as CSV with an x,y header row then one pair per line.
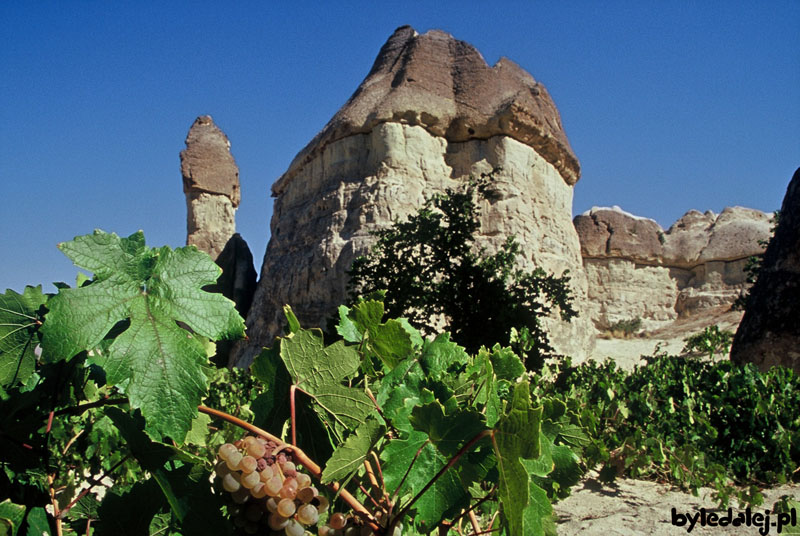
x,y
635,269
430,113
323,217
211,185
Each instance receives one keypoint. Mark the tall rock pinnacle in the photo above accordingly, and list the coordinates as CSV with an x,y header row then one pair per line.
x,y
430,114
211,185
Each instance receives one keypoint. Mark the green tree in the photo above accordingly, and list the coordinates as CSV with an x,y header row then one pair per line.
x,y
432,269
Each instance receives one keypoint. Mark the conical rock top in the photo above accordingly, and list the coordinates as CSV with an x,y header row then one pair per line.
x,y
444,85
207,164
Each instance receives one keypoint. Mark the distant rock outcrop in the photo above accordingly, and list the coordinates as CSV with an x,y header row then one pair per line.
x,y
636,269
211,185
769,333
429,114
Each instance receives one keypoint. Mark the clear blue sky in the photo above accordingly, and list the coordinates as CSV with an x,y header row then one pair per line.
x,y
668,105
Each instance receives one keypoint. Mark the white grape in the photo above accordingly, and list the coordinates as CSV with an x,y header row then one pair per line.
x,y
250,479
230,483
286,507
248,464
233,460
276,522
307,515
293,528
226,450
303,480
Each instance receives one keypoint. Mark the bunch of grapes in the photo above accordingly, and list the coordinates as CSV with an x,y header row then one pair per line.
x,y
268,491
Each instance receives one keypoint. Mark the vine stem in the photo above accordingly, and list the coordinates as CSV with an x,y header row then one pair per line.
x,y
303,458
447,466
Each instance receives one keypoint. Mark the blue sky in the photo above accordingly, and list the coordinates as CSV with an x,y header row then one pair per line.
x,y
668,105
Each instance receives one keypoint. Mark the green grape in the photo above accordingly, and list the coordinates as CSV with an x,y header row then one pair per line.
x,y
286,507
274,486
272,505
226,450
303,480
250,479
248,464
293,528
337,521
307,515
233,460
230,483
277,522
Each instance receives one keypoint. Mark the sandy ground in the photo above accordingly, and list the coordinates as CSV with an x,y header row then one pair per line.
x,y
635,507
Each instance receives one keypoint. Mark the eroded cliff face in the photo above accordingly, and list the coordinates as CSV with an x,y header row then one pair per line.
x,y
636,269
430,114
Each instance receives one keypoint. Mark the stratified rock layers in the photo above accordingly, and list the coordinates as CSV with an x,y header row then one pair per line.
x,y
211,185
409,132
769,333
635,269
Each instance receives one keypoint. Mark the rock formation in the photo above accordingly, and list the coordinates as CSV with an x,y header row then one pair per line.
x,y
636,269
429,113
769,333
211,185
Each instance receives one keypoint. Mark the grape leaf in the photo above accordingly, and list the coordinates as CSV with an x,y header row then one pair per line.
x,y
440,354
271,408
37,523
319,371
349,456
156,362
516,436
11,516
390,342
448,432
19,322
421,460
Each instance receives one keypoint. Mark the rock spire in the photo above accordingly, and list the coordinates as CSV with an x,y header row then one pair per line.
x,y
211,185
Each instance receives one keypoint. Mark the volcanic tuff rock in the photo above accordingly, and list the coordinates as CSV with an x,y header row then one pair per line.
x,y
636,269
769,333
429,114
211,185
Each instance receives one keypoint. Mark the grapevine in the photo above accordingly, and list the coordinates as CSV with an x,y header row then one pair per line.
x,y
389,432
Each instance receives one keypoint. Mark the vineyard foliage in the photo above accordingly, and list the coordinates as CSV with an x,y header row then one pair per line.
x,y
111,413
101,386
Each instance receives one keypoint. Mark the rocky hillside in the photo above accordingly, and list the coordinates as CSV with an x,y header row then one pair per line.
x,y
636,269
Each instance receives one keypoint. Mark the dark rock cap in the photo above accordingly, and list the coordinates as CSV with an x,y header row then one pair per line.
x,y
445,86
207,164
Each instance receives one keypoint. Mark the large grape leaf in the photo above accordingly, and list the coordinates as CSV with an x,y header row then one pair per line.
x,y
516,437
155,361
319,371
19,322
409,466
